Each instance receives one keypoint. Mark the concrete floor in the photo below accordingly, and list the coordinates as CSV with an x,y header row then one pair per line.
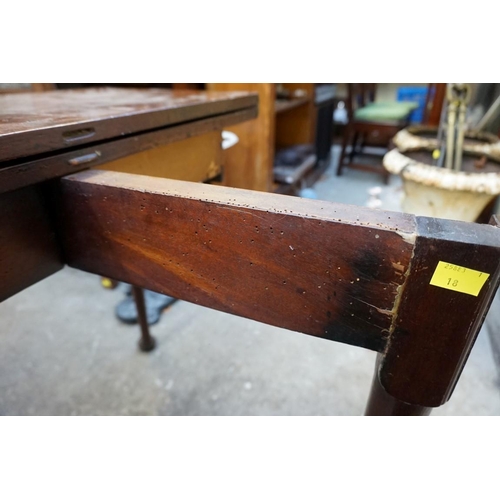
x,y
62,352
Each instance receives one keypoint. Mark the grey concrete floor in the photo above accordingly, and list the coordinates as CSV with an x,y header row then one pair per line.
x,y
63,352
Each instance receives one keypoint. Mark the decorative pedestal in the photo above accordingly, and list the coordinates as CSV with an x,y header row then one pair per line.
x,y
437,192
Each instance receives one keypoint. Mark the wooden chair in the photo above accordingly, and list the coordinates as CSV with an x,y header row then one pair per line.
x,y
370,123
415,289
436,94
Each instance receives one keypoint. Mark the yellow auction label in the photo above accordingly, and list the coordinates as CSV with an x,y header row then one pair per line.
x,y
459,279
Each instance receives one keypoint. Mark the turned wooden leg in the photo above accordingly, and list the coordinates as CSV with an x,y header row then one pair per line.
x,y
354,143
146,342
345,142
380,403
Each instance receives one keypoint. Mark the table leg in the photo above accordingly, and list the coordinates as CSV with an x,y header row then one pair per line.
x,y
146,342
380,403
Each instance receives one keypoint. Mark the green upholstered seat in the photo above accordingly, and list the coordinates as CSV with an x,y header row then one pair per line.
x,y
385,111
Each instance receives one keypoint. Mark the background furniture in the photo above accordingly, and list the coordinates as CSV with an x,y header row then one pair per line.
x,y
434,103
290,114
370,124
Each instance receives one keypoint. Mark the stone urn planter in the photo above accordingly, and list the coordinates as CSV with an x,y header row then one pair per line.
x,y
438,192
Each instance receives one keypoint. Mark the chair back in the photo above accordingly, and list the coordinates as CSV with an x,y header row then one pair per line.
x,y
359,95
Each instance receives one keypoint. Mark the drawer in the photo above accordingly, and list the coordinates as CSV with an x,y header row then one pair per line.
x,y
195,159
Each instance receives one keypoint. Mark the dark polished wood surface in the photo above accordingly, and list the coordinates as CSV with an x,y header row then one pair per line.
x,y
37,170
37,123
382,404
320,268
343,273
48,135
435,328
29,249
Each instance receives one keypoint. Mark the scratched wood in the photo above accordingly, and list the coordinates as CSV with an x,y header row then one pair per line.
x,y
40,122
25,173
319,268
435,328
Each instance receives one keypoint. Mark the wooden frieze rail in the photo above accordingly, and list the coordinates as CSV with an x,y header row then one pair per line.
x,y
414,289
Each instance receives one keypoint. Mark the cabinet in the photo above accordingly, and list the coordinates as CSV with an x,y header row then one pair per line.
x,y
281,123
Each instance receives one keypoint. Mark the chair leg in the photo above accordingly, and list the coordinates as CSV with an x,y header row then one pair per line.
x,y
362,143
345,143
354,143
386,176
380,403
146,342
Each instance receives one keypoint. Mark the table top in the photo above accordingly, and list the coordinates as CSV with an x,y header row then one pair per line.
x,y
40,122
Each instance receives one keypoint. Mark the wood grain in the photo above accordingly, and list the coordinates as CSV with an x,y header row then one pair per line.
x,y
319,268
342,273
249,164
41,169
297,126
435,328
283,105
40,122
196,159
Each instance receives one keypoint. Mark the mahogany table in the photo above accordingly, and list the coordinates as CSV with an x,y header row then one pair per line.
x,y
44,136
414,289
